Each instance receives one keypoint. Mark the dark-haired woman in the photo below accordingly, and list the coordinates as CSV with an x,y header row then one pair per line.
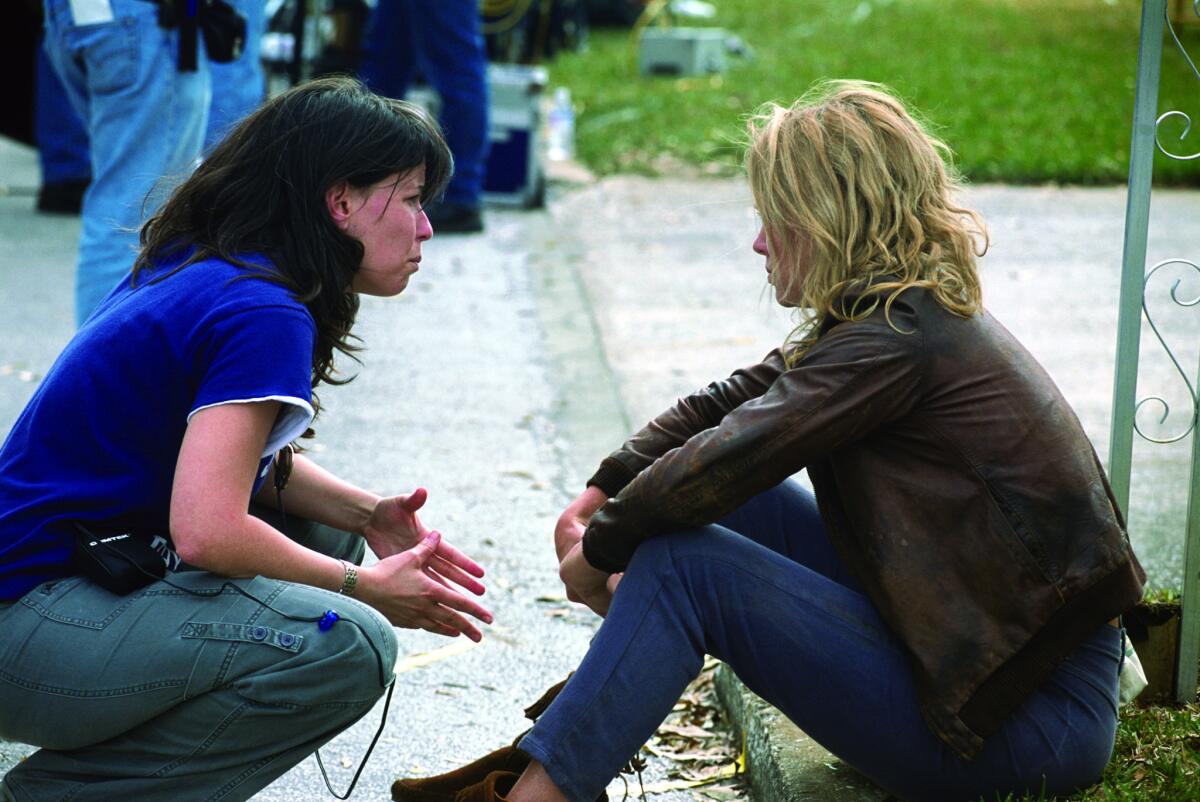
x,y
160,420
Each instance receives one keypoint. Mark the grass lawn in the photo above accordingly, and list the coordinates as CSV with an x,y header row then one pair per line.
x,y
1024,91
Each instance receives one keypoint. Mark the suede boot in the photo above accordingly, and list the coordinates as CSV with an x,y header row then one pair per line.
x,y
491,789
444,787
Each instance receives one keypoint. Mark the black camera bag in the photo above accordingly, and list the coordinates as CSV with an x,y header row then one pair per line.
x,y
119,563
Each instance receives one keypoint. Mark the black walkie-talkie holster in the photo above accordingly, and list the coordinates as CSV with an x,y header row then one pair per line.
x,y
223,26
119,563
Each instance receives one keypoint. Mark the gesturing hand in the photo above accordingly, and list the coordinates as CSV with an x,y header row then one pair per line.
x,y
408,592
394,528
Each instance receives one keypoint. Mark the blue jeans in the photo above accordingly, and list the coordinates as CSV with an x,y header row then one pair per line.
x,y
445,41
763,591
61,138
239,86
144,119
161,695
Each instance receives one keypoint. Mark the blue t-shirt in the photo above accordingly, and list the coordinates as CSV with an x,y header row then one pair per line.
x,y
98,442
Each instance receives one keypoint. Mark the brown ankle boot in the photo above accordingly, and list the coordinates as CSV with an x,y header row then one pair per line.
x,y
444,787
491,789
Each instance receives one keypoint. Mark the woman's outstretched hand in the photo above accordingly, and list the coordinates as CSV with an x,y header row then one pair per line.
x,y
408,590
586,584
394,528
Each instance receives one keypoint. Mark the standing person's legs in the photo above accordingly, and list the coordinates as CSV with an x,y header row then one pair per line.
x,y
61,141
452,56
388,62
138,696
819,652
239,86
145,120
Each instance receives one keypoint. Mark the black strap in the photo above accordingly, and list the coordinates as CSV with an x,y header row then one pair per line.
x,y
188,27
184,15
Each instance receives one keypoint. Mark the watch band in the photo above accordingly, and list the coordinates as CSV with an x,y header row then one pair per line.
x,y
350,581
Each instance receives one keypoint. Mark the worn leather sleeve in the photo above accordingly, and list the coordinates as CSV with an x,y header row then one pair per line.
x,y
689,416
715,454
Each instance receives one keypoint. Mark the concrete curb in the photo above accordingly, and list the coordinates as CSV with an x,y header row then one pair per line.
x,y
782,763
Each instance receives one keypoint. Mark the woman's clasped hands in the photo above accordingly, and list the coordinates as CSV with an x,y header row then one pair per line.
x,y
584,584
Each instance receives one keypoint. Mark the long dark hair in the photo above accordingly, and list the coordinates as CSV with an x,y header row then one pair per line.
x,y
262,191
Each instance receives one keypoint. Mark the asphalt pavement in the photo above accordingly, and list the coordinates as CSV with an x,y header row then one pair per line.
x,y
518,358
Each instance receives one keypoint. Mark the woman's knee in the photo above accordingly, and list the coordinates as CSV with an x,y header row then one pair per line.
x,y
368,656
688,557
347,653
664,551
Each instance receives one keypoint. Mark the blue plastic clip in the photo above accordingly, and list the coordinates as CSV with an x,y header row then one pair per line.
x,y
327,621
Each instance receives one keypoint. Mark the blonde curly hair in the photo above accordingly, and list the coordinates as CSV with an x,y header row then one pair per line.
x,y
848,181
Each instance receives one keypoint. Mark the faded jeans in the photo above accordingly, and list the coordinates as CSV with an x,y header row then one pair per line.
x,y
239,86
145,121
159,693
61,139
763,591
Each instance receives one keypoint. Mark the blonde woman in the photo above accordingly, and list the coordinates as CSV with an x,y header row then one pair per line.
x,y
941,614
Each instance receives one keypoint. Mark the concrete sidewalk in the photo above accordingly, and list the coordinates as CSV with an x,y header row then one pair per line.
x,y
518,359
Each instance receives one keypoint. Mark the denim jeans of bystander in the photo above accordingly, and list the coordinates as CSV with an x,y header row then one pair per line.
x,y
144,118
239,86
61,139
444,42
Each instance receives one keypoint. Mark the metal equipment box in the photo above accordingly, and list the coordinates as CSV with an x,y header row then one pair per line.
x,y
682,51
515,174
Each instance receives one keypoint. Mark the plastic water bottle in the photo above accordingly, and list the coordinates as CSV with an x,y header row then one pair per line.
x,y
278,47
560,127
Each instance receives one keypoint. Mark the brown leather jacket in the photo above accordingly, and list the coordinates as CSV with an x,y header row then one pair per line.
x,y
952,477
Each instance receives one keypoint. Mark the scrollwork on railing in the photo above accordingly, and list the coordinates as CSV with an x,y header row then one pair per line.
x,y
1187,121
1159,400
